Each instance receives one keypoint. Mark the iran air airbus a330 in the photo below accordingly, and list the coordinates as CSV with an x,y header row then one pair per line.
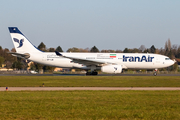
x,y
106,62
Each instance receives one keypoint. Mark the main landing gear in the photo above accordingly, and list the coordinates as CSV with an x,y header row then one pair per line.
x,y
92,73
155,72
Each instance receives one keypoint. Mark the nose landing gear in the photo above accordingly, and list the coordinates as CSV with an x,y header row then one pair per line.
x,y
155,73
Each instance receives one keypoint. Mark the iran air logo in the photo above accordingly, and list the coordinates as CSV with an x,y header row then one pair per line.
x,y
19,41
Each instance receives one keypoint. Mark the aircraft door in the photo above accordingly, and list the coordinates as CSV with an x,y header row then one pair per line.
x,y
157,60
44,57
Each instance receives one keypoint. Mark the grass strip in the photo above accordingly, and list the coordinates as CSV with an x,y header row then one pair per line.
x,y
90,81
149,105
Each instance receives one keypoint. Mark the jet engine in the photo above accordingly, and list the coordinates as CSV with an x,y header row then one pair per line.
x,y
111,69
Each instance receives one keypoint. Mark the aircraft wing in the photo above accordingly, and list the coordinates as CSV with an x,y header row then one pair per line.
x,y
25,55
82,60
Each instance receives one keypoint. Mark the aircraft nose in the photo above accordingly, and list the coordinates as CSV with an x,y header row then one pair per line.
x,y
173,61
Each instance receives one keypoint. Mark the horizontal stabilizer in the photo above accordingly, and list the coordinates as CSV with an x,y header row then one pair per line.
x,y
25,55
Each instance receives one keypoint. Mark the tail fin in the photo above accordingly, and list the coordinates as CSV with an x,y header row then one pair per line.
x,y
21,43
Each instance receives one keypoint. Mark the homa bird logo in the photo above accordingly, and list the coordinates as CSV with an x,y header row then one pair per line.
x,y
19,41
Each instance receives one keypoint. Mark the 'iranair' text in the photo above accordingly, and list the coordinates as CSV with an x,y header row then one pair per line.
x,y
137,59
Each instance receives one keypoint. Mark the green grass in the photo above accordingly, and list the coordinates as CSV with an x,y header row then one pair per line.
x,y
90,105
90,81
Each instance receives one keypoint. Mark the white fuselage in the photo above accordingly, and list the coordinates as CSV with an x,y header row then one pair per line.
x,y
126,60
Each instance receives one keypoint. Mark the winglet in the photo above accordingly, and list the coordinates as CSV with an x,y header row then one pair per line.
x,y
58,54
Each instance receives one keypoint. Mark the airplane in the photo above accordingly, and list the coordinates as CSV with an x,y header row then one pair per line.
x,y
91,62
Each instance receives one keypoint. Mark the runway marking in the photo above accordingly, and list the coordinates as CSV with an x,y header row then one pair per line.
x,y
84,88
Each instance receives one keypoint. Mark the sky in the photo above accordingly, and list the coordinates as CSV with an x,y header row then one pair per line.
x,y
106,24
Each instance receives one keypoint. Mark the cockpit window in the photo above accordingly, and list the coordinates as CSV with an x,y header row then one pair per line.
x,y
167,58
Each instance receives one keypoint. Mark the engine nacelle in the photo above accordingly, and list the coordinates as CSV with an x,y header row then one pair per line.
x,y
111,69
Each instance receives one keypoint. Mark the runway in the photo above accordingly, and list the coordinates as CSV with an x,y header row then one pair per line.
x,y
84,88
85,75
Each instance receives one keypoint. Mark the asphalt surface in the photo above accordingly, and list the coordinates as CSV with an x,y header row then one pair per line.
x,y
85,75
84,88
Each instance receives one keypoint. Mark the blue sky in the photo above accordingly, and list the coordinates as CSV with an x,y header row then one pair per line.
x,y
107,24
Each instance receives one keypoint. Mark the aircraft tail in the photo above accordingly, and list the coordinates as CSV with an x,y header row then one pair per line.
x,y
21,43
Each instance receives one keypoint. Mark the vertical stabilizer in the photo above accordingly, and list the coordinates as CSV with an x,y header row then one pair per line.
x,y
21,43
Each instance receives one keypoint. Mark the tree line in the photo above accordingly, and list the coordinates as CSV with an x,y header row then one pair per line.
x,y
172,51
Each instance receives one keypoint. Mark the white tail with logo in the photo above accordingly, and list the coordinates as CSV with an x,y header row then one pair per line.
x,y
21,43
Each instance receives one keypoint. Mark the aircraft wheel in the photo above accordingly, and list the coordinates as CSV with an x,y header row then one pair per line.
x,y
155,73
88,73
94,73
